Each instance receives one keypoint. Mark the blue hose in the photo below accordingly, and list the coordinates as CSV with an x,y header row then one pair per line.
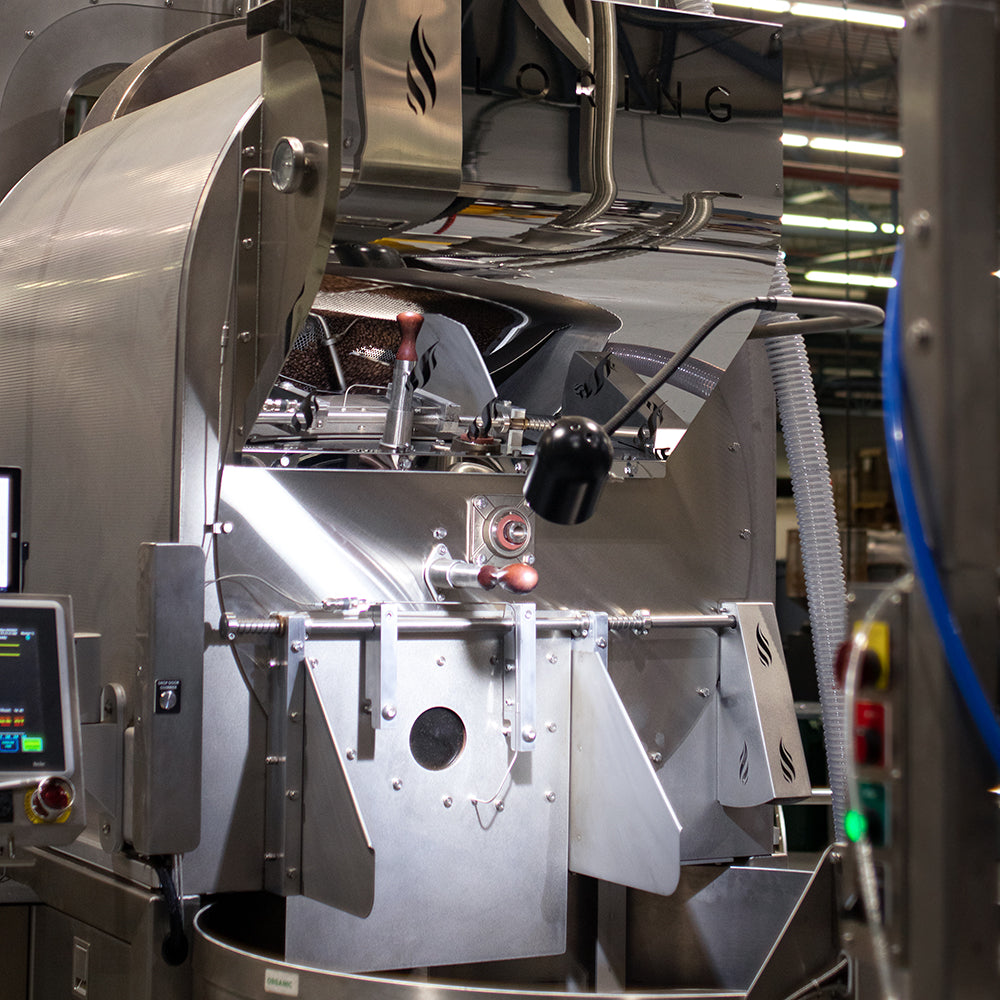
x,y
894,402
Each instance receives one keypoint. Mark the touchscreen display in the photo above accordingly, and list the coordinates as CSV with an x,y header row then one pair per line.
x,y
10,530
31,724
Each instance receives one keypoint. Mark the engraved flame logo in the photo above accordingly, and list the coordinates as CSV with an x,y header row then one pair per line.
x,y
745,764
763,648
787,763
420,72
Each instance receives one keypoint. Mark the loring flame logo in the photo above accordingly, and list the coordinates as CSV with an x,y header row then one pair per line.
x,y
420,72
787,763
745,764
763,648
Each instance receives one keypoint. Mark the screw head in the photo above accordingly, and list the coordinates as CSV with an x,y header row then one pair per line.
x,y
602,643
106,829
294,716
552,658
29,34
388,712
745,533
397,784
247,243
734,446
551,727
528,734
499,807
298,646
440,533
441,661
655,757
351,753
292,794
550,796
291,872
703,692
447,802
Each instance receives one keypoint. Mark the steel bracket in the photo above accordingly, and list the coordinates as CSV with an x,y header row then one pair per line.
x,y
519,678
381,657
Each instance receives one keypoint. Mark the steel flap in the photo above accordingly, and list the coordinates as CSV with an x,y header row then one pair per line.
x,y
760,751
338,858
622,826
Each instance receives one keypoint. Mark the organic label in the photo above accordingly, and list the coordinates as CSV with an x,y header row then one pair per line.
x,y
285,984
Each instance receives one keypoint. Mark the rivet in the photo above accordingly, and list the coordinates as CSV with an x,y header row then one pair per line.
x,y
388,712
440,661
528,734
551,727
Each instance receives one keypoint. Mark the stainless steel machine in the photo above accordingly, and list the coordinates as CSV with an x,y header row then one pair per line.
x,y
284,331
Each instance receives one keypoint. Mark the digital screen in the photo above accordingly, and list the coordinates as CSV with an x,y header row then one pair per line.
x,y
10,530
31,724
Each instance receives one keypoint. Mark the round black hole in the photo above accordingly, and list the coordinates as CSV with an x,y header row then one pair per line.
x,y
437,738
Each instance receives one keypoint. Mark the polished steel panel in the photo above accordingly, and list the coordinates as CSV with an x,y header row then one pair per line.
x,y
51,47
622,826
92,338
491,878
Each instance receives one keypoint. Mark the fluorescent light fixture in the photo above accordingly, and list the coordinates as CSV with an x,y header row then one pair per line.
x,y
888,227
816,222
836,278
856,15
794,139
856,146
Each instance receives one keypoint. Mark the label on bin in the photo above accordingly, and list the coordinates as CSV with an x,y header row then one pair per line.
x,y
283,983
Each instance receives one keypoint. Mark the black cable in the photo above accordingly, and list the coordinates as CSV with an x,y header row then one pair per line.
x,y
175,945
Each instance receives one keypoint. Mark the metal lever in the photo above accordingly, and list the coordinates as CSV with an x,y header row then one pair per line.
x,y
442,571
399,415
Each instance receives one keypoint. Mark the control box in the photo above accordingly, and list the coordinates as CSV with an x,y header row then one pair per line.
x,y
41,787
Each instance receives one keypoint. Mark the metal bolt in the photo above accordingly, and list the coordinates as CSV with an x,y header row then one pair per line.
x,y
292,794
244,337
294,716
835,857
703,692
480,502
168,3
298,646
550,796
552,658
920,223
348,142
29,34
528,734
106,829
367,708
745,533
247,150
440,533
734,446
499,807
550,726
397,784
440,661
602,643
388,712
494,660
247,243
231,636
584,632
529,559
918,17
655,756
847,937
920,335
351,753
447,802
109,707
292,872
519,466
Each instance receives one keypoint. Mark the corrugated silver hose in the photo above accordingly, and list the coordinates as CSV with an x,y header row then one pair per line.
x,y
819,539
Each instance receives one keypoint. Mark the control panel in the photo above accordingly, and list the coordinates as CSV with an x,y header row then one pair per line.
x,y
41,791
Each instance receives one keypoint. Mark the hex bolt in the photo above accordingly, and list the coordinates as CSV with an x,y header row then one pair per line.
x,y
294,716
602,643
745,533
397,784
292,872
734,446
298,646
550,796
528,734
447,802
703,692
247,243
920,335
480,502
655,757
351,753
499,807
552,658
440,661
440,533
106,829
529,559
29,34
920,223
249,151
388,712
550,726
244,336
292,794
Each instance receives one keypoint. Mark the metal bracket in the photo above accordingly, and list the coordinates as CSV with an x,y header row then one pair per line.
x,y
519,678
381,657
594,638
103,745
283,772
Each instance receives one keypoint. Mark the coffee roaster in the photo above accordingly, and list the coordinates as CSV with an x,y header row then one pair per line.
x,y
281,345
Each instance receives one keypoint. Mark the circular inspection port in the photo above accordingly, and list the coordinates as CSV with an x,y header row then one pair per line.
x,y
437,737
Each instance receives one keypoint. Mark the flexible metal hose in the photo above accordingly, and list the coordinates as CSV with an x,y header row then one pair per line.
x,y
819,538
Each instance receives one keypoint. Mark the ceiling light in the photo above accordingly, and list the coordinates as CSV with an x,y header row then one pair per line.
x,y
836,278
816,222
794,139
856,146
856,15
888,227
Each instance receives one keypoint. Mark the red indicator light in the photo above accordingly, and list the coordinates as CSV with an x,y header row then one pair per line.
x,y
51,800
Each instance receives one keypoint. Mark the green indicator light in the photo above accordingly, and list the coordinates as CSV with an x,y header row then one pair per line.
x,y
31,744
855,825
